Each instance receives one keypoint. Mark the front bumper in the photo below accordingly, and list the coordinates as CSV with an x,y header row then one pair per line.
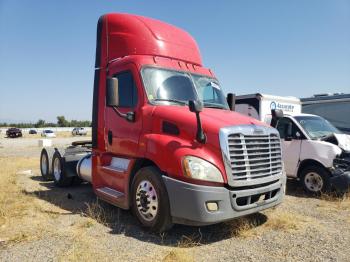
x,y
340,181
188,202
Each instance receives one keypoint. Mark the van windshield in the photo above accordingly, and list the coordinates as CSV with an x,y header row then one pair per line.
x,y
316,127
174,87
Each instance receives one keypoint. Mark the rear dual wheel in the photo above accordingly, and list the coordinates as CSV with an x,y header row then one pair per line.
x,y
45,164
59,175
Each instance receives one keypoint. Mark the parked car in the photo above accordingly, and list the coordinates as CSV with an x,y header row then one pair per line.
x,y
79,131
14,132
32,132
48,133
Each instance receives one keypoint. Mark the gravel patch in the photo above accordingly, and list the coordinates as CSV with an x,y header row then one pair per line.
x,y
58,228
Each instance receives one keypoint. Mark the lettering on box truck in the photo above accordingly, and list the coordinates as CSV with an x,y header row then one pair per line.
x,y
282,106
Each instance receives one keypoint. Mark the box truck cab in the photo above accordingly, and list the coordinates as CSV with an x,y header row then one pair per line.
x,y
313,150
164,140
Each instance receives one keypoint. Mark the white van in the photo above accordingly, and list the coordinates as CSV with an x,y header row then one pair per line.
x,y
314,151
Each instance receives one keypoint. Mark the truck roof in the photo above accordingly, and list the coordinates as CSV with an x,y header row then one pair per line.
x,y
120,35
326,98
270,97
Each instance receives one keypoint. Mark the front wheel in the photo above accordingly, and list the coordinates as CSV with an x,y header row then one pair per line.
x,y
150,202
315,179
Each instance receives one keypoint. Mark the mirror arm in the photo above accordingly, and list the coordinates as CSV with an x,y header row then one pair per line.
x,y
125,116
200,136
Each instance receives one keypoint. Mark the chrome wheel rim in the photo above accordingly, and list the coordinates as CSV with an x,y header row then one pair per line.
x,y
313,182
147,200
57,169
44,166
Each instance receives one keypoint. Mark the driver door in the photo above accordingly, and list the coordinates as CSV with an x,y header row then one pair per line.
x,y
291,145
121,135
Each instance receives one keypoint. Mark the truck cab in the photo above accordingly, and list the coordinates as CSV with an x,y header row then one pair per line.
x,y
313,150
165,143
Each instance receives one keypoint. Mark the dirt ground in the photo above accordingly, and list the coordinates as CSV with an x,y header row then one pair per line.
x,y
40,222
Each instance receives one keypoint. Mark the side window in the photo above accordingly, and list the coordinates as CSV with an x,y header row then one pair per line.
x,y
282,127
127,89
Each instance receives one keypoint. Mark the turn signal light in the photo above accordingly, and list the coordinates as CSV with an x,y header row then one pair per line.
x,y
212,206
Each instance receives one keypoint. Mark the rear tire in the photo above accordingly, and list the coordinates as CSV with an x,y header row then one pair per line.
x,y
45,164
150,202
59,175
315,180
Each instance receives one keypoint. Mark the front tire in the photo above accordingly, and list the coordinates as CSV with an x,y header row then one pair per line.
x,y
150,202
59,175
315,180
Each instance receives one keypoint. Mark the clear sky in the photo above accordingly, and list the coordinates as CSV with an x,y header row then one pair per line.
x,y
295,47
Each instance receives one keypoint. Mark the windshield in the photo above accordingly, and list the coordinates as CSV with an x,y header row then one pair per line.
x,y
316,127
48,131
174,87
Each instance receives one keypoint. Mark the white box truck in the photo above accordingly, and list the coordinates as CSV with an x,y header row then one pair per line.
x,y
314,151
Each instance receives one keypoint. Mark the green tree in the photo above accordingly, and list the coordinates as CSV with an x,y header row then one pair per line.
x,y
62,122
40,123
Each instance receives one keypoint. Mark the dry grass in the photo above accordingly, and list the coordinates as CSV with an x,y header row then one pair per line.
x,y
190,241
81,249
285,221
16,207
242,227
96,212
334,198
13,202
276,220
178,254
83,246
332,202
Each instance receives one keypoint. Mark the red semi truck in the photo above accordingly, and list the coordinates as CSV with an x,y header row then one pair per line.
x,y
165,141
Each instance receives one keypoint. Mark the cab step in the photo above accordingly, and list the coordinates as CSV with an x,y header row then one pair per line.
x,y
110,193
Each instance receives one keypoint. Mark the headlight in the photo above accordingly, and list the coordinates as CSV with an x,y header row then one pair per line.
x,y
200,169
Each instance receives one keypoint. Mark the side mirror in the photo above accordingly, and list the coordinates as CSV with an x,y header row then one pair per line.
x,y
288,132
276,114
195,106
112,98
231,101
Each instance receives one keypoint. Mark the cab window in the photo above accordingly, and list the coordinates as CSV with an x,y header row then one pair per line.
x,y
284,124
127,89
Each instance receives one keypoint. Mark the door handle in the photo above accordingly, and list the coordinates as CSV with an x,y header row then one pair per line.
x,y
110,137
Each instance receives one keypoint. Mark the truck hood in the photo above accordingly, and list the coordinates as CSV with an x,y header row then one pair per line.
x,y
212,119
341,140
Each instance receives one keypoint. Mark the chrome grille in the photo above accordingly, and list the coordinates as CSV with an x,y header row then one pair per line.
x,y
254,156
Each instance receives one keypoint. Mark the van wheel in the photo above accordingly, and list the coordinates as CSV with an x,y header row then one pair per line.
x,y
59,175
150,202
45,164
315,179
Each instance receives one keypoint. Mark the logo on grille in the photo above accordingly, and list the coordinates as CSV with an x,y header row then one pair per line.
x,y
258,131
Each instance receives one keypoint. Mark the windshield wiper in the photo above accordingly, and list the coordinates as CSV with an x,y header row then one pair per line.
x,y
209,105
170,100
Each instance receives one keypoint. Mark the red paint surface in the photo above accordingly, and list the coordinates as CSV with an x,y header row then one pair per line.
x,y
131,42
